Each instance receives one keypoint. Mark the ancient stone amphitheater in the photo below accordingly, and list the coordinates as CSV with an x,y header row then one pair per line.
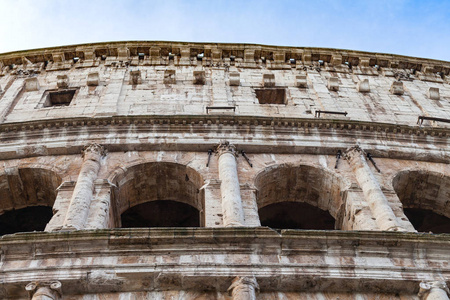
x,y
168,170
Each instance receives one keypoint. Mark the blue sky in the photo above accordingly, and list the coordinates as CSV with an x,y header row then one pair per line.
x,y
415,28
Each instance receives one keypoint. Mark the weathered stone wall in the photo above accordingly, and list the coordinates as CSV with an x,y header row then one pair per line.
x,y
360,136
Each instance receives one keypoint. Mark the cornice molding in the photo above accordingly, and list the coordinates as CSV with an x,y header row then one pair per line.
x,y
150,242
157,53
179,121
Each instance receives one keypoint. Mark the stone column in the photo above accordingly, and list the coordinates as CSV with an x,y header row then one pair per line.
x,y
47,290
99,214
434,290
374,196
243,288
84,188
233,213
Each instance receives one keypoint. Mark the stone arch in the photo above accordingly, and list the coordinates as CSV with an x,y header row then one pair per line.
x,y
158,194
283,191
27,195
425,196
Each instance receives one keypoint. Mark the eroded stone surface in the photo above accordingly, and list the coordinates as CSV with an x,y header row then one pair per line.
x,y
160,109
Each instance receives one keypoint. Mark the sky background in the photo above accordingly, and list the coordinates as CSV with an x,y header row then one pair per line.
x,y
416,28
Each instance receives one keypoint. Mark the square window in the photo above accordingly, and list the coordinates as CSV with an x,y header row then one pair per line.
x,y
59,97
271,95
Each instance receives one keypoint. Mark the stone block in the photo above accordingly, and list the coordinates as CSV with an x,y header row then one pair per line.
x,y
62,81
268,80
58,57
397,88
89,55
364,62
93,79
169,77
31,84
123,54
216,54
306,57
199,77
279,57
235,79
249,55
135,77
363,86
333,84
336,60
301,81
433,93
428,69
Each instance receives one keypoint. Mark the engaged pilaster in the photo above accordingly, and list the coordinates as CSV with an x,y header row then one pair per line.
x,y
434,290
243,288
233,212
84,188
46,290
378,203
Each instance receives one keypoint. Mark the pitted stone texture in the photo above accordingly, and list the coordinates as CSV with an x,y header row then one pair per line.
x,y
434,290
78,210
243,288
42,290
382,212
233,214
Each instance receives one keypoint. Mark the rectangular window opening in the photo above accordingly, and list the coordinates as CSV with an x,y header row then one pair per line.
x,y
271,95
59,98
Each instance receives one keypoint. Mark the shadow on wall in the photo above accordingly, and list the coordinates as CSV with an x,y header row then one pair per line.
x,y
426,199
158,194
299,197
27,197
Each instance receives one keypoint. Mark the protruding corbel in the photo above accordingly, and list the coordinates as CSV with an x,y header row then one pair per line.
x,y
246,158
369,156
209,157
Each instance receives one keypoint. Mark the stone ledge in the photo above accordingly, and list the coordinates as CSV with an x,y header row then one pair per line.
x,y
155,259
214,54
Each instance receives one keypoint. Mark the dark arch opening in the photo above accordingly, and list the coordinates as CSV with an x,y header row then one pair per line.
x,y
159,194
33,218
161,213
26,199
299,197
425,200
295,215
425,220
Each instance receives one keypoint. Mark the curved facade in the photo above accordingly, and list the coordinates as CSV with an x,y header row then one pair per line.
x,y
167,170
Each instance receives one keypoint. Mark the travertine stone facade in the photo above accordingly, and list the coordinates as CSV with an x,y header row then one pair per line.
x,y
166,170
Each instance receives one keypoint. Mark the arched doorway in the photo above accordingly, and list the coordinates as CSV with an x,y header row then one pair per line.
x,y
425,199
159,194
27,197
299,197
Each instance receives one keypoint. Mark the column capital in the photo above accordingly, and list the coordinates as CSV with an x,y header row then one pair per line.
x,y
44,290
427,286
351,152
241,286
226,147
95,149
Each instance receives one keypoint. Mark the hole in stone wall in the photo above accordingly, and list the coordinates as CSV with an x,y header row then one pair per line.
x,y
271,95
32,218
295,215
59,98
161,213
425,220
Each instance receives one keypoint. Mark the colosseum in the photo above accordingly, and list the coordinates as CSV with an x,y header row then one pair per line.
x,y
170,170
